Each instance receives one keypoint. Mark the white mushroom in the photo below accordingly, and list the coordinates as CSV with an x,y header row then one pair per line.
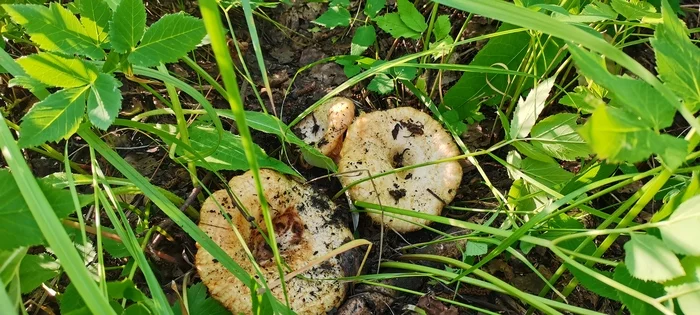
x,y
385,140
325,127
307,226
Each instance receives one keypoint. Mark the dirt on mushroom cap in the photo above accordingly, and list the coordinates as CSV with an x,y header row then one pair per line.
x,y
306,226
384,140
325,127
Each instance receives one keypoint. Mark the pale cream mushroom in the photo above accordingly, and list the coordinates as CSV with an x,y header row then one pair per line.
x,y
324,127
307,226
385,140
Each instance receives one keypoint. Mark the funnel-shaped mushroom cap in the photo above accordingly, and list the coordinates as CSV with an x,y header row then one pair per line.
x,y
384,140
307,226
325,127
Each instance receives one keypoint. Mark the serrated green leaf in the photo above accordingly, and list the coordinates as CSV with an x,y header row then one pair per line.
x,y
334,17
442,27
613,135
476,249
392,24
54,29
364,37
199,303
634,96
55,118
671,150
636,10
411,16
23,230
127,25
681,234
372,7
649,288
582,99
648,259
168,39
54,70
104,101
229,154
381,83
593,284
559,137
343,3
404,73
35,269
687,295
351,70
26,82
95,15
549,174
677,59
527,111
442,47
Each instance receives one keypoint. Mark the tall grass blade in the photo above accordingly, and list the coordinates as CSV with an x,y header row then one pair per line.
x,y
50,225
214,26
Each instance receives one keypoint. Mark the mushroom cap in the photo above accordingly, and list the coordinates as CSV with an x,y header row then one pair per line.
x,y
307,226
325,127
384,140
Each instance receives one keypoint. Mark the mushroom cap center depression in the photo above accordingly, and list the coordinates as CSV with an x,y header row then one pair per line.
x,y
386,140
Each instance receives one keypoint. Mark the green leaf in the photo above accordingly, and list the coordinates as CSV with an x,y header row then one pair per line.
x,y
559,137
95,15
29,83
681,233
381,83
168,39
20,228
127,25
592,12
649,288
648,259
636,10
593,284
508,51
476,249
582,99
404,73
549,174
104,101
613,135
527,110
137,309
335,16
563,224
372,7
342,3
442,27
677,59
364,37
10,261
56,117
229,154
199,303
54,29
36,269
392,24
54,70
272,125
671,150
635,96
442,47
411,16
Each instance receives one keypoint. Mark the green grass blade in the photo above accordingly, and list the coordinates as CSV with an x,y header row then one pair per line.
x,y
530,19
50,225
214,26
163,203
6,306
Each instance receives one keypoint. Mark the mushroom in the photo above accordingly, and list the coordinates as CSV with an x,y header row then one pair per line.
x,y
307,226
325,127
381,141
